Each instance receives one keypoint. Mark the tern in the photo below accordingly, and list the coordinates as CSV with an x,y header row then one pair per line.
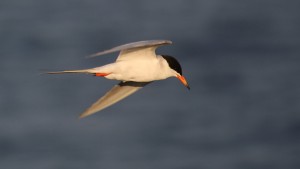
x,y
136,66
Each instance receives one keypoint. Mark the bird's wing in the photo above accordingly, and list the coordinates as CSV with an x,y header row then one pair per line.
x,y
134,47
117,93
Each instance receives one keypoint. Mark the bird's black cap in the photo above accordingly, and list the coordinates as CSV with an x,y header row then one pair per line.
x,y
173,63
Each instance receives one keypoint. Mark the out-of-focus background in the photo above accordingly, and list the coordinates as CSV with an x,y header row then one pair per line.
x,y
241,58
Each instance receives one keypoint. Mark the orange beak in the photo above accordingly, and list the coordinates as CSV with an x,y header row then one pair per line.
x,y
183,81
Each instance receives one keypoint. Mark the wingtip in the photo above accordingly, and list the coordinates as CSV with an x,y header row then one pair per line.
x,y
86,113
168,42
163,42
93,55
83,115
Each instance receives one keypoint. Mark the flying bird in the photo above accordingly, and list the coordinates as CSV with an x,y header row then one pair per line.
x,y
136,66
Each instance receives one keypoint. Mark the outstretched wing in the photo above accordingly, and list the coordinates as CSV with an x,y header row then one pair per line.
x,y
134,46
117,93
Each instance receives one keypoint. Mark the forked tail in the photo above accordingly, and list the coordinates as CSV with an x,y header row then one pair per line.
x,y
70,71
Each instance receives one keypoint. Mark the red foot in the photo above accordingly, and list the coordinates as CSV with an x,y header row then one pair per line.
x,y
101,74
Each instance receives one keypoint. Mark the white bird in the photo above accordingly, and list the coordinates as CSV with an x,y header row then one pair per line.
x,y
136,66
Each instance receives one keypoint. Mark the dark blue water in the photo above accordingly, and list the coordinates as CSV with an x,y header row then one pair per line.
x,y
241,58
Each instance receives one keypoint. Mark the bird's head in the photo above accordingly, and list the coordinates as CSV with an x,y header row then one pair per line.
x,y
176,69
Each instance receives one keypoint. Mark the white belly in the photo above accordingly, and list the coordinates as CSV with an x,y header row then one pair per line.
x,y
139,71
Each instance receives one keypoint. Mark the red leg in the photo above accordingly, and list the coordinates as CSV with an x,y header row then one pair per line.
x,y
101,74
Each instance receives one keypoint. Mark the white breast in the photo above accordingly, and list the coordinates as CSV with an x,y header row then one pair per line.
x,y
140,70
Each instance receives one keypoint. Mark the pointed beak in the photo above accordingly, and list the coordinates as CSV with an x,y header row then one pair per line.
x,y
183,81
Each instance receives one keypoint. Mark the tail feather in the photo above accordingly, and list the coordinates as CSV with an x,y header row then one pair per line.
x,y
69,71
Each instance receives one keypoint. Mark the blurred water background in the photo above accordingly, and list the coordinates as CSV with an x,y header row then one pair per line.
x,y
241,58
